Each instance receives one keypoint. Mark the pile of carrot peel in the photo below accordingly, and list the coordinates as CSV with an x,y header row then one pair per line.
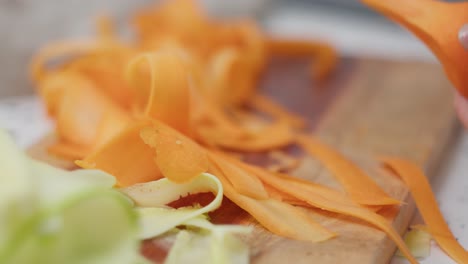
x,y
181,99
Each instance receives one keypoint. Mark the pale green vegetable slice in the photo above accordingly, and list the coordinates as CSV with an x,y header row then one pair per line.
x,y
17,189
15,180
49,215
53,216
216,244
95,227
203,242
152,197
224,246
161,192
56,184
418,242
203,223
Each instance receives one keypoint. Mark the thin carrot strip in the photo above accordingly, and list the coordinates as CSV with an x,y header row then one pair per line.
x,y
105,28
81,110
245,69
272,136
220,77
38,67
53,87
105,70
270,107
67,49
360,187
284,162
325,56
437,24
425,200
278,217
178,157
168,89
109,127
68,151
329,200
284,197
126,157
242,182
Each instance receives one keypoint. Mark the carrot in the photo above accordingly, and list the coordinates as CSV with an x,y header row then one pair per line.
x,y
68,151
425,200
242,182
80,112
105,28
52,89
360,187
38,64
68,50
105,73
272,136
268,106
328,199
178,157
278,217
284,197
247,71
325,56
168,89
284,162
221,75
126,157
210,115
109,127
436,23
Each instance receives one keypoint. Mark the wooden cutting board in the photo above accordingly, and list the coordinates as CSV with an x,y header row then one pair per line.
x,y
368,108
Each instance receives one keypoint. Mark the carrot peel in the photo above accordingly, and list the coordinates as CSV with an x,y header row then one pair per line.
x,y
178,157
437,24
278,217
126,157
420,189
361,188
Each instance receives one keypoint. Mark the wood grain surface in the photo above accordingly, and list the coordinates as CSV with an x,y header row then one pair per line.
x,y
369,108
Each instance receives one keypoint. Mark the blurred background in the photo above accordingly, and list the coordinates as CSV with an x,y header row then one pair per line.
x,y
26,25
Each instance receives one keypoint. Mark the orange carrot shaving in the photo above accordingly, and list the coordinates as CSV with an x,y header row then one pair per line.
x,y
106,74
284,197
67,150
219,61
80,112
325,56
105,28
278,217
329,200
110,126
242,182
425,200
53,87
126,157
436,23
360,187
284,162
266,105
222,75
69,49
179,158
38,63
168,89
264,138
